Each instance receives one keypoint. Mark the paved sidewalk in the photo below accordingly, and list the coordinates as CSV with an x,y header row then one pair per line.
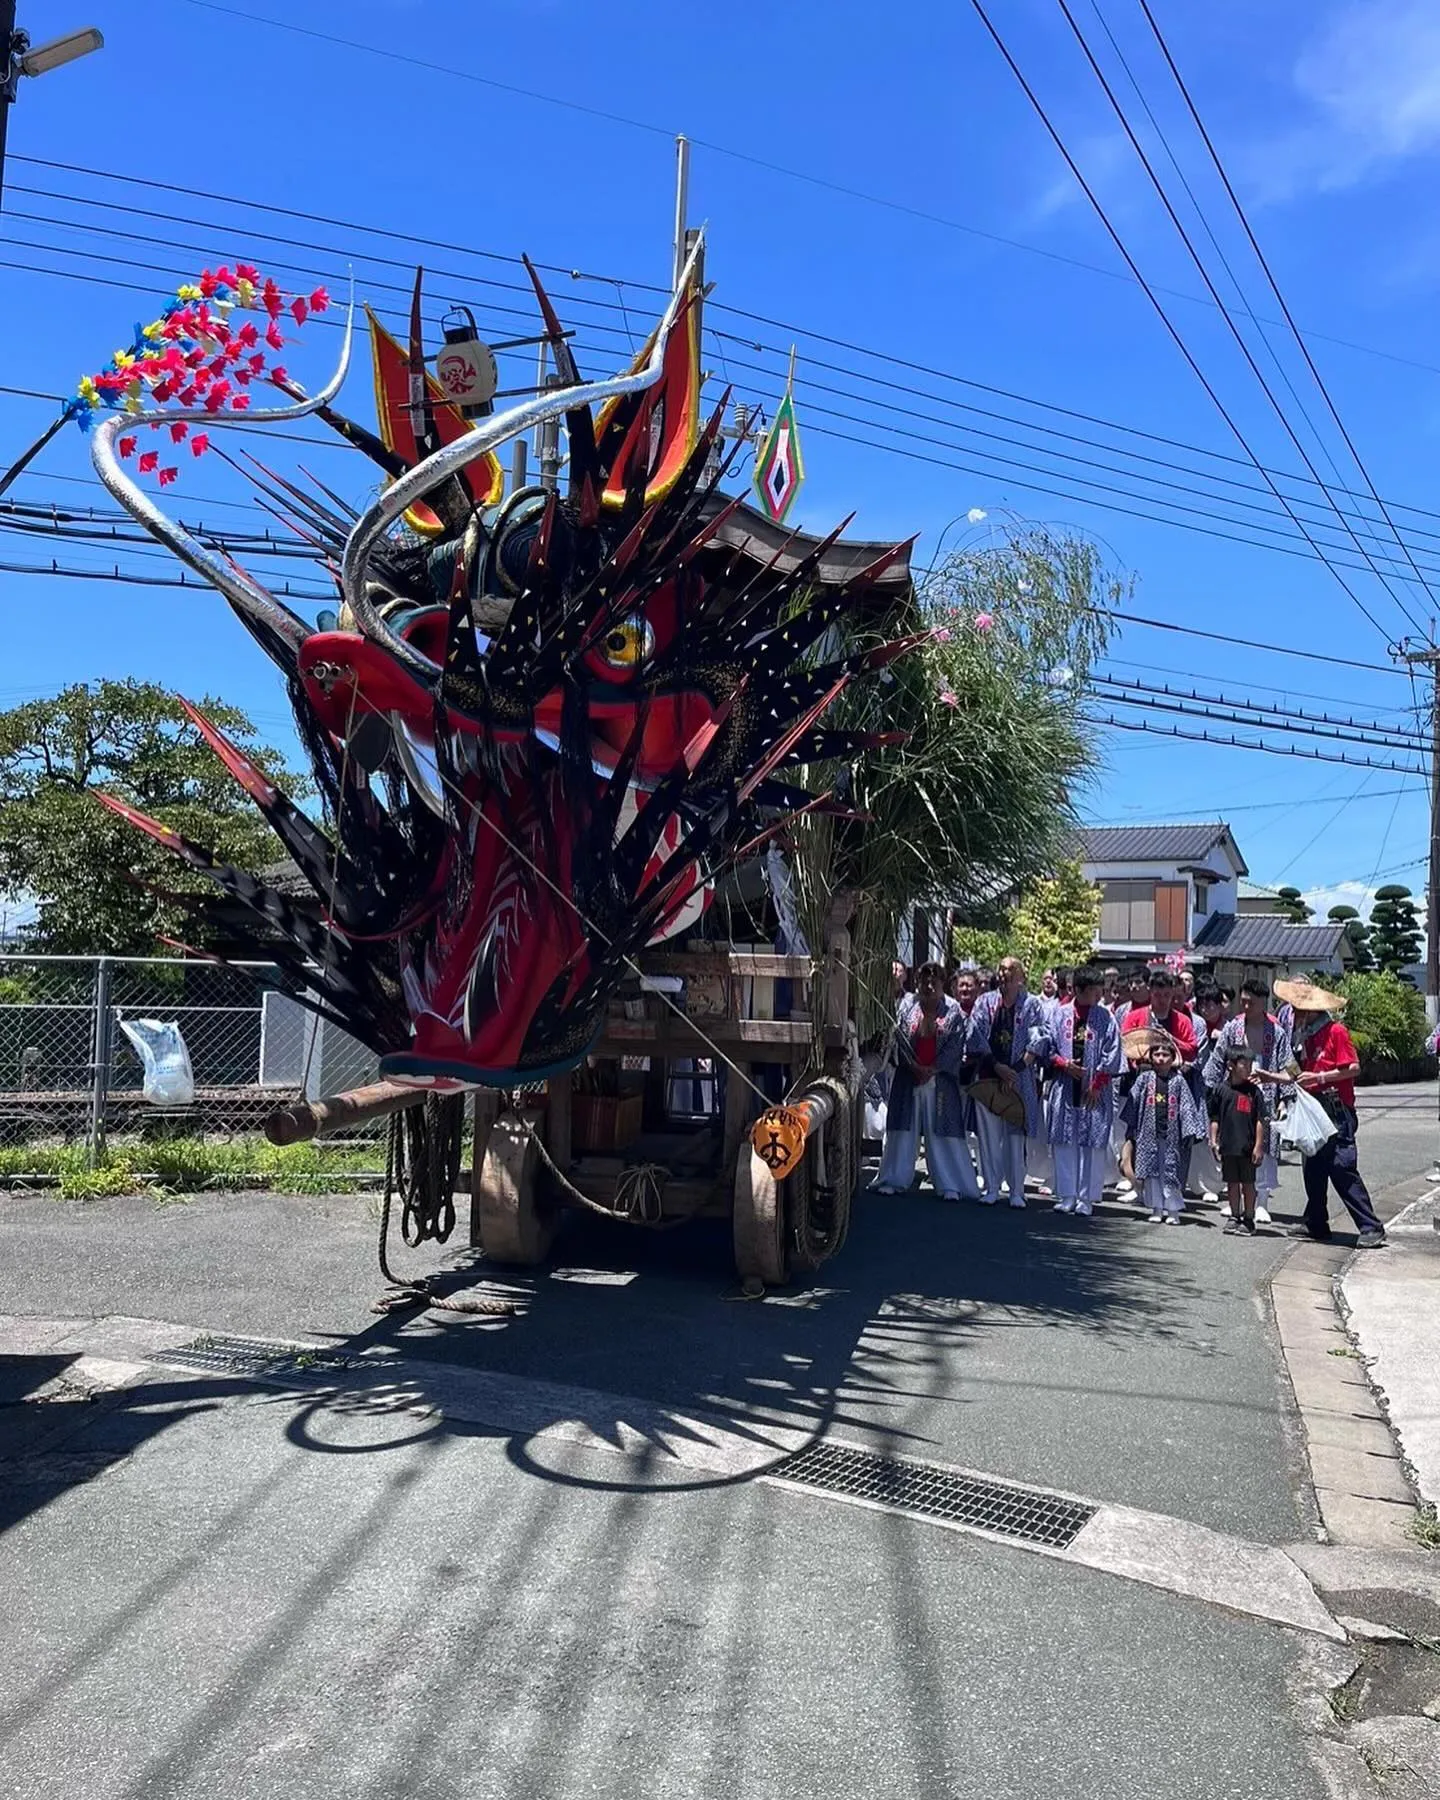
x,y
1393,1303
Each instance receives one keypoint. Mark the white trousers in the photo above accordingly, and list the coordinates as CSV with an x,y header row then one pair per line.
x,y
1079,1172
948,1159
1162,1196
1039,1163
1117,1145
1204,1170
1002,1154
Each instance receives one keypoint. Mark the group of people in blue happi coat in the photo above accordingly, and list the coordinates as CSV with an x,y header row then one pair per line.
x,y
1150,1086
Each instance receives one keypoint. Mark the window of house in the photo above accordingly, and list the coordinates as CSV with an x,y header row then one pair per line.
x,y
1172,922
1202,898
1127,912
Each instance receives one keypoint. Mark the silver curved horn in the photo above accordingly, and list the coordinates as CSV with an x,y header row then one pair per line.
x,y
239,588
416,483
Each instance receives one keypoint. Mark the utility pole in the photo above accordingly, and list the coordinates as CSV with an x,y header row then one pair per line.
x,y
9,74
682,207
17,58
1428,657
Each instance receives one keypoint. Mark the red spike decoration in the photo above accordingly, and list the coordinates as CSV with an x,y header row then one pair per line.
x,y
565,716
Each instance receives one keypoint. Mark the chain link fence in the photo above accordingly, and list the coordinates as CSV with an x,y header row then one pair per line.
x,y
69,1075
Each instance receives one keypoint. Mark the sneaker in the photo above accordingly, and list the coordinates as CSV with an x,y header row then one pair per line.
x,y
1262,1217
1172,1219
1155,1218
1304,1231
1372,1240
1249,1225
1235,1228
1064,1206
1018,1200
1125,1188
1082,1209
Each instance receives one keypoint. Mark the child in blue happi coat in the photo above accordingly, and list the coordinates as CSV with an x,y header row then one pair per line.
x,y
1162,1116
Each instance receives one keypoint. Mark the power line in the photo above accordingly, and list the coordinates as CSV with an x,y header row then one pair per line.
x,y
1326,828
1244,308
283,589
1115,696
1220,637
1201,737
1264,263
1214,293
1290,693
789,329
390,54
1225,808
1366,726
871,425
807,385
1060,493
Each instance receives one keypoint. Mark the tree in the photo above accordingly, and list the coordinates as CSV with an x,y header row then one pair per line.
x,y
976,944
60,849
1293,907
1386,1017
1358,932
974,799
1055,923
1395,929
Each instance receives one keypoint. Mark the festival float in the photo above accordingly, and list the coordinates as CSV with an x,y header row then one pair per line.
x,y
561,743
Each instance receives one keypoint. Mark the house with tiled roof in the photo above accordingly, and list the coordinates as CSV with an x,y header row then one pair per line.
x,y
1180,890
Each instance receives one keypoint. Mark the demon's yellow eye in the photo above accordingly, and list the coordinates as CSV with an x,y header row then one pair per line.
x,y
628,643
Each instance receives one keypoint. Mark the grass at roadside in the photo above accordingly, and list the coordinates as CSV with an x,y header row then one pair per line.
x,y
1425,1528
189,1165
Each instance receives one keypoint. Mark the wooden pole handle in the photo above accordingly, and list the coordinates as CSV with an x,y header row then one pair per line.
x,y
336,1112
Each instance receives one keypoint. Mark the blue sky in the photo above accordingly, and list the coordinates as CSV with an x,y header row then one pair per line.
x,y
1327,115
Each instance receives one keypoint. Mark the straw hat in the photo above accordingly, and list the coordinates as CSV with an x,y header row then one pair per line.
x,y
1304,996
1139,1043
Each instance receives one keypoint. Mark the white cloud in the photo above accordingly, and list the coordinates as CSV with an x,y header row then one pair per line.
x,y
1342,893
1370,82
1101,160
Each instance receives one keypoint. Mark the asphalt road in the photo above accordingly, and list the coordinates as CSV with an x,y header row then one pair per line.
x,y
233,1615
265,1597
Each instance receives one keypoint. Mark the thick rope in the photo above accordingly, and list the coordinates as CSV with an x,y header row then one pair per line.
x,y
422,1165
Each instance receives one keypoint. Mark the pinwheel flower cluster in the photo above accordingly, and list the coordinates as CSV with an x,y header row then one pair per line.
x,y
196,355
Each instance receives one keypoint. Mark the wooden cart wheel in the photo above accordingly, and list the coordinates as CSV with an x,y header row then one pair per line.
x,y
518,1216
758,1224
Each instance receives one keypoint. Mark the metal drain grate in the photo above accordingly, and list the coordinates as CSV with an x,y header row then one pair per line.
x,y
254,1357
932,1493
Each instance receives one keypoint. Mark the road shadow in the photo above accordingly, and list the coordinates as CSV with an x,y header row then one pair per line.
x,y
629,1328
57,1432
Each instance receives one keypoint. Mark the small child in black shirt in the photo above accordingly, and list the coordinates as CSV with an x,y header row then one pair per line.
x,y
1237,1138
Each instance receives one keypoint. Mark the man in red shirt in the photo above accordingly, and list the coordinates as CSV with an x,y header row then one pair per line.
x,y
1164,1013
1329,1064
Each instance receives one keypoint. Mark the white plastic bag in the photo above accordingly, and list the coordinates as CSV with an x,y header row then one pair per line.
x,y
161,1049
1306,1125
